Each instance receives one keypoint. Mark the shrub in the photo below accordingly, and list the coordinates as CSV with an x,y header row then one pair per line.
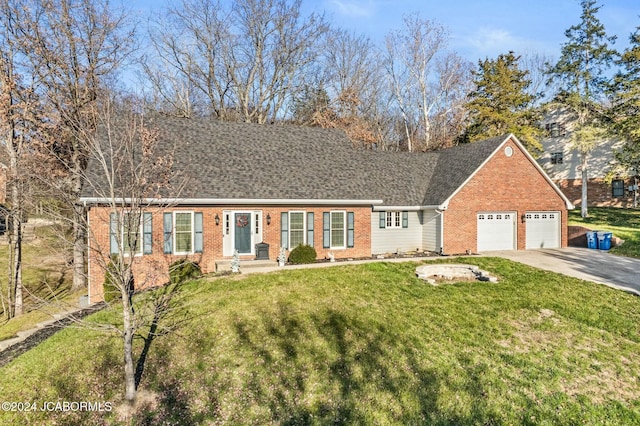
x,y
111,291
303,254
110,287
184,270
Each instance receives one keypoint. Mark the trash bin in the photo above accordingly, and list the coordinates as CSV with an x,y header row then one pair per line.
x,y
604,240
592,239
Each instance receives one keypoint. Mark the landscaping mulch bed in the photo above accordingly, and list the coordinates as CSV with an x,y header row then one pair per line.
x,y
41,335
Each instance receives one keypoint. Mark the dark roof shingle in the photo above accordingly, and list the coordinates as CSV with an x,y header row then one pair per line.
x,y
250,161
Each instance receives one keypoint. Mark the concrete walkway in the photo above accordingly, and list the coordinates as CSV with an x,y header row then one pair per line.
x,y
592,265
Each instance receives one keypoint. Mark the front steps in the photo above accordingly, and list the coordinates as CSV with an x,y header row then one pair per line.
x,y
245,265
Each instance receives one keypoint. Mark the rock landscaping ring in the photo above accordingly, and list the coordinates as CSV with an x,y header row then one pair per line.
x,y
436,273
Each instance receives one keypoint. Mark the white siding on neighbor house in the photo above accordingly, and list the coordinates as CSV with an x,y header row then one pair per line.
x,y
598,160
431,227
390,240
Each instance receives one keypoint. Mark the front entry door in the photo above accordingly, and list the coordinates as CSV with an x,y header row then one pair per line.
x,y
242,232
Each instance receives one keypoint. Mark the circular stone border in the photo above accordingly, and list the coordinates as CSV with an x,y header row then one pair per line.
x,y
451,271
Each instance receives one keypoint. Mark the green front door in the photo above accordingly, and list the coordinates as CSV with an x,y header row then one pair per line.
x,y
242,225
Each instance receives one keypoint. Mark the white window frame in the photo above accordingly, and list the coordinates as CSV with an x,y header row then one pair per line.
x,y
393,219
344,229
140,239
175,240
304,227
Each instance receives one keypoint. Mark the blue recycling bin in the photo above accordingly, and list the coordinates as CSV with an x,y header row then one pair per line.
x,y
604,240
592,239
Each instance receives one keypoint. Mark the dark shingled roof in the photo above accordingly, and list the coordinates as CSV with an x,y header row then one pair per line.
x,y
250,161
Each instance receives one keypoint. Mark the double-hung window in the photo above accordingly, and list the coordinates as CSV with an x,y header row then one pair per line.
x,y
131,233
556,158
617,188
183,232
338,229
296,229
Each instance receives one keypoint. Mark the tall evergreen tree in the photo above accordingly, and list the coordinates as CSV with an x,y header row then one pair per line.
x,y
501,103
626,110
581,71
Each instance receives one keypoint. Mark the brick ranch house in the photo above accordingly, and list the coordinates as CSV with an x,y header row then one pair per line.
x,y
286,185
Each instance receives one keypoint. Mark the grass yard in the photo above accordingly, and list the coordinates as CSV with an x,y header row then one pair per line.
x,y
361,344
623,223
46,278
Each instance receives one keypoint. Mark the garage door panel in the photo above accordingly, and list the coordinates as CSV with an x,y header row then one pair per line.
x,y
543,230
496,231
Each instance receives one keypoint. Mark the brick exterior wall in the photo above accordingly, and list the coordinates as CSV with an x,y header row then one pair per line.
x,y
599,193
503,184
152,270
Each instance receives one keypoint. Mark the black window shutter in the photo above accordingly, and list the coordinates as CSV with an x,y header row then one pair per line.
x,y
147,234
350,230
284,230
405,219
310,228
383,219
168,233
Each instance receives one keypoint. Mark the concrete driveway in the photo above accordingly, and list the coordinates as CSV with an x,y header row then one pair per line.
x,y
591,265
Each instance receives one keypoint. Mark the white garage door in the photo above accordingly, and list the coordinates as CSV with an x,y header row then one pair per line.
x,y
543,230
496,231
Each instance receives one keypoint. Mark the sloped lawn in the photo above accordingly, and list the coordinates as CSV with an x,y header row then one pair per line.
x,y
623,223
362,344
46,279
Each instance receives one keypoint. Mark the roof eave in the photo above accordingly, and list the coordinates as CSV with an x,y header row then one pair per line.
x,y
228,201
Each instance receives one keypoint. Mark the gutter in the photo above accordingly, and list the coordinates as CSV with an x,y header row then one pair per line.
x,y
228,201
381,208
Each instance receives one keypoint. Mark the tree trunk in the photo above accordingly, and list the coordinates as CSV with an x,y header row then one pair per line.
x,y
16,267
583,205
79,244
129,331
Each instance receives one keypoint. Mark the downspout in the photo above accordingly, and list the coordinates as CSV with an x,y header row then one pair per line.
x,y
88,255
440,211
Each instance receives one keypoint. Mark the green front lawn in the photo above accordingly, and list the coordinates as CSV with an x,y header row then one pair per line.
x,y
623,223
362,344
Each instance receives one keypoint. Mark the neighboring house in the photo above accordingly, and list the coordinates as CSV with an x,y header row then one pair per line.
x,y
284,186
563,165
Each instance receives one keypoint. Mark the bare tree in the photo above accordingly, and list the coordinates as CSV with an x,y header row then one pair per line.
x,y
246,62
12,128
73,47
187,71
537,65
354,78
422,74
19,116
130,172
